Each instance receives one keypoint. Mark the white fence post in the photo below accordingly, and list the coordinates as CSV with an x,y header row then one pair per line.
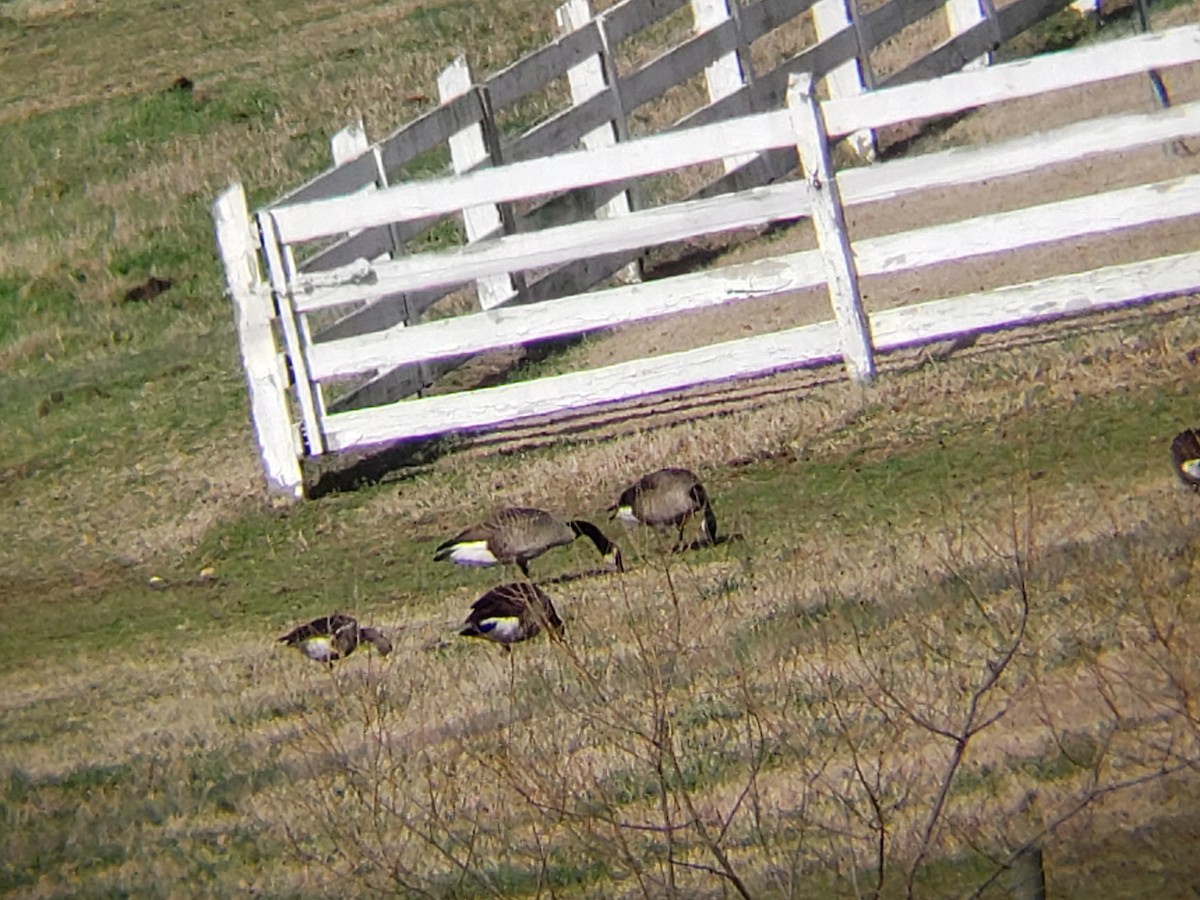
x,y
846,80
347,144
266,375
282,272
964,14
733,71
468,149
597,75
812,143
350,143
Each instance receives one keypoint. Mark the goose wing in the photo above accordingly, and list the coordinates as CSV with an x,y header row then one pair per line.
x,y
1185,453
324,626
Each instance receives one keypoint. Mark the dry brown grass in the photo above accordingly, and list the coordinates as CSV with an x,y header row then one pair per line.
x,y
800,656
512,768
745,713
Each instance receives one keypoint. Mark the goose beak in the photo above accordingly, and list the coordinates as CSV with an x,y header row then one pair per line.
x,y
616,559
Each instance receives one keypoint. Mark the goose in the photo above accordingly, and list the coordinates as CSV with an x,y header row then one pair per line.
x,y
667,497
510,613
517,535
333,637
1185,453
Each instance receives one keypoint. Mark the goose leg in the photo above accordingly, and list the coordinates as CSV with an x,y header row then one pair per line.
x,y
680,546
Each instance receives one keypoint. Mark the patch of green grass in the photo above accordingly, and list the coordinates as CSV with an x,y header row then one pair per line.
x,y
111,401
1074,753
560,871
947,461
310,563
163,252
98,817
447,22
157,118
24,302
171,395
433,163
974,780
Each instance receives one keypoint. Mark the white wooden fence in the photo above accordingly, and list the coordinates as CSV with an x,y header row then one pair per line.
x,y
608,100
286,369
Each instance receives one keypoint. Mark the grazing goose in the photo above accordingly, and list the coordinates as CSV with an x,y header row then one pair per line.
x,y
333,637
517,535
664,498
511,613
1185,453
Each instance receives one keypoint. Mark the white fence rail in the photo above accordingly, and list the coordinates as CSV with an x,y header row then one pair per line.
x,y
292,295
608,98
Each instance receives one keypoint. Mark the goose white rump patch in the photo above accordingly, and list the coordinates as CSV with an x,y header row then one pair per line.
x,y
473,553
504,630
626,517
319,648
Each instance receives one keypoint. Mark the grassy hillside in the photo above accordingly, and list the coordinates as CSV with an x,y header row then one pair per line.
x,y
954,617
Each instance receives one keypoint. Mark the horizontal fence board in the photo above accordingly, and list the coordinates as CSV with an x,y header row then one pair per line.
x,y
368,244
424,133
347,178
566,316
951,54
562,131
966,89
400,383
760,19
379,314
685,60
394,385
726,108
1018,229
430,131
1008,81
888,254
761,355
964,165
649,156
1025,304
770,88
537,69
888,20
793,348
555,246
981,38
626,19
579,276
955,166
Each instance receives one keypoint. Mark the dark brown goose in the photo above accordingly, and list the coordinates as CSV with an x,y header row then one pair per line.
x,y
1185,454
668,497
511,613
517,535
334,637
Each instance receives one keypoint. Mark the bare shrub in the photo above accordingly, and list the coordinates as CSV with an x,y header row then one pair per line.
x,y
739,728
